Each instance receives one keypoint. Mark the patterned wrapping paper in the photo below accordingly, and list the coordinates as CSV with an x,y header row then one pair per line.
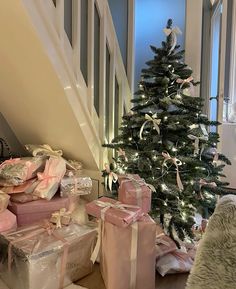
x,y
134,191
4,200
27,187
76,185
113,211
36,261
7,221
15,172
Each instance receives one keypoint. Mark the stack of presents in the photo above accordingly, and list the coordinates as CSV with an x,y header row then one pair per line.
x,y
42,246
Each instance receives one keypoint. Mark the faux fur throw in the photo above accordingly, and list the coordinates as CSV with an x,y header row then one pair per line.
x,y
215,262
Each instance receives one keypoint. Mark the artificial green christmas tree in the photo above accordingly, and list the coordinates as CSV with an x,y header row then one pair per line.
x,y
167,141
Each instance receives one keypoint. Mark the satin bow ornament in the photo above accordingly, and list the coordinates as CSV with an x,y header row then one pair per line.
x,y
121,153
174,32
177,163
156,122
196,142
184,81
110,178
202,182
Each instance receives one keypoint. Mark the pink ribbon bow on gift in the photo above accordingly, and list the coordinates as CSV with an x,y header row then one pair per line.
x,y
111,178
177,163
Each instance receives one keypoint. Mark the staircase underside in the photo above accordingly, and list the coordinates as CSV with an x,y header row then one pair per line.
x,y
32,99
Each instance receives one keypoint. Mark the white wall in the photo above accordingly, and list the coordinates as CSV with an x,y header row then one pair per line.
x,y
150,18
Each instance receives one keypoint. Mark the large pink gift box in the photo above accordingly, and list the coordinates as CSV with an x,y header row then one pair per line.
x,y
31,212
7,221
128,255
113,211
134,191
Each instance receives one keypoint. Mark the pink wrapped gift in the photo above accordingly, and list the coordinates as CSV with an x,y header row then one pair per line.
x,y
134,191
128,255
113,211
175,262
50,179
4,200
17,171
164,245
28,213
7,221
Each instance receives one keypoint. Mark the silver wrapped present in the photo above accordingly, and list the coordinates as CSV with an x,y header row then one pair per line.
x,y
36,259
76,185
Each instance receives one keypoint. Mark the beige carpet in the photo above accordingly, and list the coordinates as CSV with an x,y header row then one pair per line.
x,y
175,281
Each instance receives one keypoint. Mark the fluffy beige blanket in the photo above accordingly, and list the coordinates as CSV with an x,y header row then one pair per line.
x,y
215,263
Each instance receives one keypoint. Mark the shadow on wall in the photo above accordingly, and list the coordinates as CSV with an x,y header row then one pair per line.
x,y
7,134
150,18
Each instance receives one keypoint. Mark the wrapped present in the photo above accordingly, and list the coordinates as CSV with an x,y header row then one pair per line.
x,y
175,262
28,213
40,257
4,200
127,258
134,191
164,244
23,198
27,187
7,221
51,177
17,171
113,211
75,185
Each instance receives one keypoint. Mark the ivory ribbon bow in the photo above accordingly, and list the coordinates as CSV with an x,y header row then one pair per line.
x,y
118,205
177,163
121,153
173,31
196,142
111,178
202,182
189,81
156,123
58,216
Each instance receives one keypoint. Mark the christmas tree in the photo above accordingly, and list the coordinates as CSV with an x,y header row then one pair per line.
x,y
166,139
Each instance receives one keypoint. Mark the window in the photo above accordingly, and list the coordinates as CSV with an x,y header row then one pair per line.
x,y
96,58
68,19
84,39
107,94
116,107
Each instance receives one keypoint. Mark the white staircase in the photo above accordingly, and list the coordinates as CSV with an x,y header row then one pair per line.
x,y
43,94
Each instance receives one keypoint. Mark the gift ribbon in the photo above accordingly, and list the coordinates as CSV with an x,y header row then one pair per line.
x,y
156,122
172,31
50,229
159,240
196,142
118,205
58,216
177,163
45,176
111,178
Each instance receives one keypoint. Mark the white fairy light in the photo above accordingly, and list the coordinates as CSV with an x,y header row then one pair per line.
x,y
165,117
174,149
143,96
177,122
182,203
154,158
191,182
130,138
136,154
163,187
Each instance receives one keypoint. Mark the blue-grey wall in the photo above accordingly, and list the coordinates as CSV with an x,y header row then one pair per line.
x,y
119,11
150,19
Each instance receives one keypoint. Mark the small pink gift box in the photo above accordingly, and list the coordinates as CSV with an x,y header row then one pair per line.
x,y
134,191
113,211
128,255
31,212
7,221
